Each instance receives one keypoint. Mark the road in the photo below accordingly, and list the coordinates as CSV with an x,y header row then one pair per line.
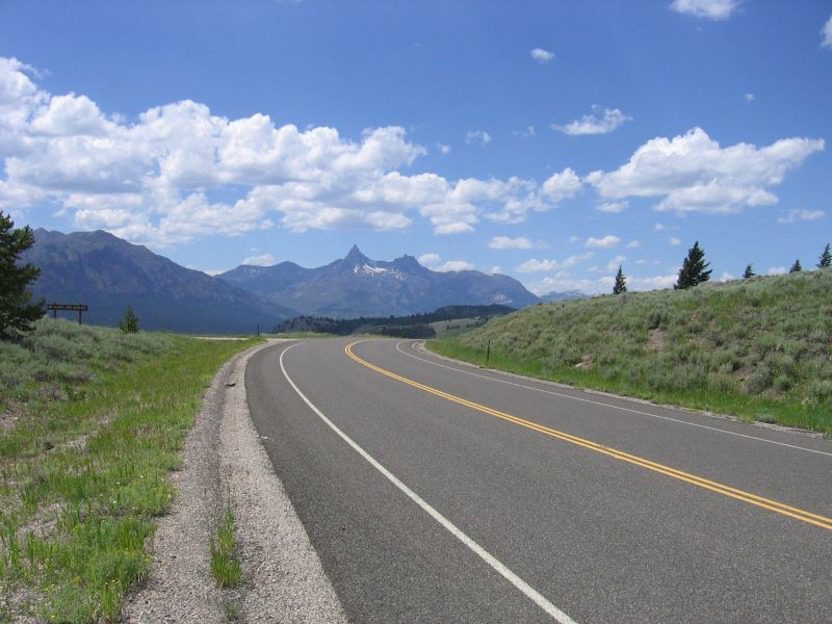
x,y
438,492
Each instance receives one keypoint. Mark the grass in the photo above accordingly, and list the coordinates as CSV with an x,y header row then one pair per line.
x,y
93,422
760,349
224,563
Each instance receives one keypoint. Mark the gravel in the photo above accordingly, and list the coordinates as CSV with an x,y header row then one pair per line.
x,y
225,465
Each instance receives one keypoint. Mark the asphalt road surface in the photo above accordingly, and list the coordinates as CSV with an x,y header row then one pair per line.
x,y
438,492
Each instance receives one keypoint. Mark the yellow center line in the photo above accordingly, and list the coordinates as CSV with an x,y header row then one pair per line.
x,y
714,486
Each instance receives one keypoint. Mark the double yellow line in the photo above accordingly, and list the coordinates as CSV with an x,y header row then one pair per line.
x,y
720,488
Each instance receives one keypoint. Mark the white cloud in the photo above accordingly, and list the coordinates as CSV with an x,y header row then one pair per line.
x,y
455,265
212,272
616,262
801,215
612,207
749,97
527,133
661,227
443,148
478,136
430,260
604,242
562,185
634,244
726,277
693,173
716,10
652,283
546,265
521,242
542,56
674,242
538,266
600,121
777,270
495,270
265,259
827,34
157,178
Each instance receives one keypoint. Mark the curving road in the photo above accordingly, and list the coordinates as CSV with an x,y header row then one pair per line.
x,y
438,492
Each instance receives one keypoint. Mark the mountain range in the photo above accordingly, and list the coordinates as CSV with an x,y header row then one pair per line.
x,y
358,286
108,274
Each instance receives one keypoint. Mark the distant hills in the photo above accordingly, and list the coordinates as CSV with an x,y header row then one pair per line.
x,y
108,273
358,286
411,326
568,295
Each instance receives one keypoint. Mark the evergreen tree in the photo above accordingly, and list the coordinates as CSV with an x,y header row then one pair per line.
x,y
16,310
129,323
749,272
796,267
693,268
620,283
825,258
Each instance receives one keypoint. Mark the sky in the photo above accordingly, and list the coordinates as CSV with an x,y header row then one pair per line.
x,y
549,141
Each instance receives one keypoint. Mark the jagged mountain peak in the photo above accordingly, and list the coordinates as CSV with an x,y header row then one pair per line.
x,y
355,257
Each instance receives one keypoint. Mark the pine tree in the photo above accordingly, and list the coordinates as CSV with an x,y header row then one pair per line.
x,y
620,283
825,258
796,268
693,268
129,323
16,310
749,272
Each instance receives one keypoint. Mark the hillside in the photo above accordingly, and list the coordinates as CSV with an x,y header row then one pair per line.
x,y
758,348
357,286
108,273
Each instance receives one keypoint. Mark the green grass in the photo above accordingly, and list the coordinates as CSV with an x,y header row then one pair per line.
x,y
760,349
90,434
224,563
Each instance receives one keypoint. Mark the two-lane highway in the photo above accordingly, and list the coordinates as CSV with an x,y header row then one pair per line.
x,y
438,492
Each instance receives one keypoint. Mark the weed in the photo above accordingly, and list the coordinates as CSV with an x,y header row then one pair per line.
x,y
224,564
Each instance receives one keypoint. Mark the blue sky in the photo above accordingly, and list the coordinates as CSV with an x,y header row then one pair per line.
x,y
553,140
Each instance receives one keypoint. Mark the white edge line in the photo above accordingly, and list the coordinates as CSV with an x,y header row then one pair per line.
x,y
617,407
478,550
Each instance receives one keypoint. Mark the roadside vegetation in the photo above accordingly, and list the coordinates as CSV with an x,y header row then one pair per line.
x,y
92,421
758,348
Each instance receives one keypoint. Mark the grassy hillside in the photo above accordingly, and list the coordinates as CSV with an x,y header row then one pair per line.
x,y
758,348
91,424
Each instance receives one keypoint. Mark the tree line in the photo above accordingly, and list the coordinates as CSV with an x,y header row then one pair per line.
x,y
694,269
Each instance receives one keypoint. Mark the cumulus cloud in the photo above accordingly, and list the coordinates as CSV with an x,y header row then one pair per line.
x,y
634,244
547,265
434,262
562,185
716,10
542,56
443,148
604,242
693,173
612,207
159,178
265,259
600,121
776,270
615,262
749,97
801,215
521,242
478,136
826,33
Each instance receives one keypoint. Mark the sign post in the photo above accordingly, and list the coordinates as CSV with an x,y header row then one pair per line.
x,y
80,308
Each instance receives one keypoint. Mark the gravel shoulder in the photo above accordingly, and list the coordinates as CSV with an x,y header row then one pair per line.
x,y
226,465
